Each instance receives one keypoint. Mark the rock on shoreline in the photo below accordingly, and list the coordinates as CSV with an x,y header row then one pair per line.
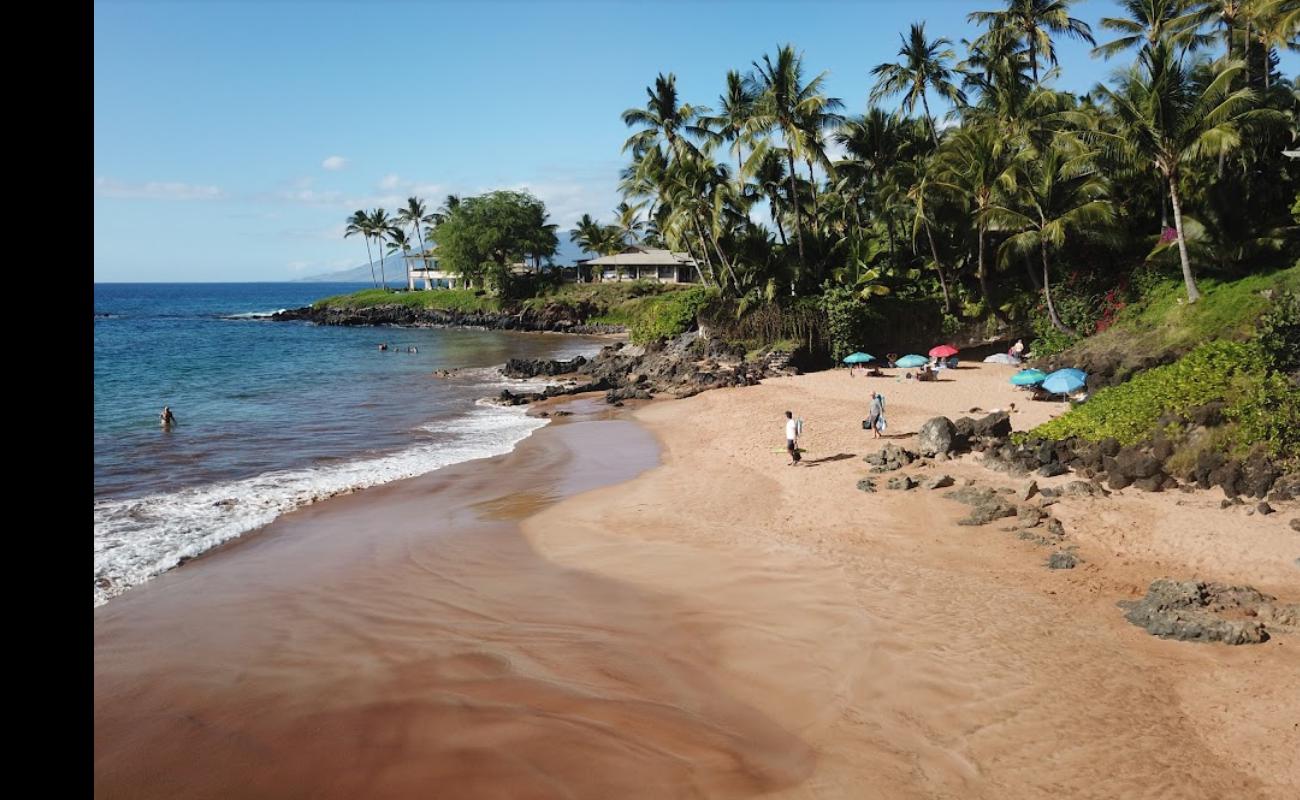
x,y
552,318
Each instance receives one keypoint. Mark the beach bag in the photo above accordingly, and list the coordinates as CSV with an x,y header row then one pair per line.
x,y
798,427
880,423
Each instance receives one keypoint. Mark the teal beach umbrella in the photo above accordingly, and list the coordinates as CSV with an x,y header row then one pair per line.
x,y
859,358
1064,381
1028,377
907,362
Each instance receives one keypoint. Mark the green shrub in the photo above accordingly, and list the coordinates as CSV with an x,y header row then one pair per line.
x,y
846,321
1278,332
1268,412
1221,370
669,314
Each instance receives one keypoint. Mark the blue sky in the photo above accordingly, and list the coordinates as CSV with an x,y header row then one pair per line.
x,y
233,138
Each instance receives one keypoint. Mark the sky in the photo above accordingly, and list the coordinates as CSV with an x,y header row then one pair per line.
x,y
232,139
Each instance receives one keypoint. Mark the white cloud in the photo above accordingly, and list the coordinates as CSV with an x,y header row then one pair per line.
x,y
567,201
156,190
334,163
390,181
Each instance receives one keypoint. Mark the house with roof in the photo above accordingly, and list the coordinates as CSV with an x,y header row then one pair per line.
x,y
640,263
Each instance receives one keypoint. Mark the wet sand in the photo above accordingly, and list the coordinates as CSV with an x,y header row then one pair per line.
x,y
720,626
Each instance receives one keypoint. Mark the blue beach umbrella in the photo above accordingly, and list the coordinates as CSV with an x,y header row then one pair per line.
x,y
859,358
1064,381
1028,377
907,362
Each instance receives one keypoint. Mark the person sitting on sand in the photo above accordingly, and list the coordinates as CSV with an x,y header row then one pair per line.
x,y
1017,349
167,418
874,372
890,359
792,437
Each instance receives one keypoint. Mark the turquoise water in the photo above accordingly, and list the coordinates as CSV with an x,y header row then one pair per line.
x,y
272,415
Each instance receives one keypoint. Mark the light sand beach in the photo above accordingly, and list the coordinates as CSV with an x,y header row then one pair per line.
x,y
570,620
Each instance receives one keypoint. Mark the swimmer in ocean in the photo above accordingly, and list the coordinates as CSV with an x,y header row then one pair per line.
x,y
167,418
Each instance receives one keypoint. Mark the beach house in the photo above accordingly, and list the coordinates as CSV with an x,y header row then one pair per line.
x,y
641,263
424,266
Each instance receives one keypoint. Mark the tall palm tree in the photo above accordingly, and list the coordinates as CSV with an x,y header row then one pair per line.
x,y
448,207
629,221
1060,194
734,121
977,165
381,227
784,101
665,119
414,214
1277,26
1149,21
1032,22
359,222
924,67
1171,116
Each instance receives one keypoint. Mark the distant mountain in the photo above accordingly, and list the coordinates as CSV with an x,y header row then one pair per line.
x,y
568,253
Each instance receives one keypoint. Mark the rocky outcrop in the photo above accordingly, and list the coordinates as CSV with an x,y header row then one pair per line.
x,y
554,317
1209,612
680,367
890,457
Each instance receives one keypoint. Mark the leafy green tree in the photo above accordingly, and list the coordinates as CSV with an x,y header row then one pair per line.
x,y
359,223
1031,23
481,236
924,67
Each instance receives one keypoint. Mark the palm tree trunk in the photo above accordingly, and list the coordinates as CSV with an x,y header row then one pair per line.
x,y
943,282
794,200
704,248
1047,295
985,288
812,182
776,217
371,259
382,277
934,132
1193,294
725,264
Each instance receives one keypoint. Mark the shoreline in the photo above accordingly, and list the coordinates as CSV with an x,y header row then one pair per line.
x,y
774,629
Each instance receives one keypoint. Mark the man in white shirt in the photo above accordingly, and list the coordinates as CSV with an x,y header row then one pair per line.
x,y
792,437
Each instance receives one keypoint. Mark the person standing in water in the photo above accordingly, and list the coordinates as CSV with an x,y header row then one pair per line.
x,y
792,437
167,418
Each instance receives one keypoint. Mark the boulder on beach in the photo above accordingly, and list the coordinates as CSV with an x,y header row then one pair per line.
x,y
937,436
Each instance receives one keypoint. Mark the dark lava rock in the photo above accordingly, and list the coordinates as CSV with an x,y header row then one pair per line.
x,y
985,513
866,485
1225,503
939,482
901,483
994,426
1062,559
1162,450
1200,611
1257,475
1207,462
1228,476
1264,508
1055,527
1136,464
1029,491
1030,516
1079,488
1295,524
937,435
1053,469
890,458
1155,483
1210,414
1119,481
533,367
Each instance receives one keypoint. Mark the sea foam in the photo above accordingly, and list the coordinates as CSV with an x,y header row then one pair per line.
x,y
139,538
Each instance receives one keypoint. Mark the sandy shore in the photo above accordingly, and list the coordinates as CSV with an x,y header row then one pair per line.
x,y
722,625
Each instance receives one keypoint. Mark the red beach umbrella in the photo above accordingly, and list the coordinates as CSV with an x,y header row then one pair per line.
x,y
943,351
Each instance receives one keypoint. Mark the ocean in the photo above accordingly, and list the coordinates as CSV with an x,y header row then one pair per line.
x,y
272,416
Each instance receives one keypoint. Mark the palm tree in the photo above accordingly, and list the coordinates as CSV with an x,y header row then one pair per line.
x,y
977,165
664,119
1171,116
629,222
414,214
445,210
1277,25
1150,21
1032,22
398,242
734,121
924,68
360,223
1061,195
784,101
381,227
